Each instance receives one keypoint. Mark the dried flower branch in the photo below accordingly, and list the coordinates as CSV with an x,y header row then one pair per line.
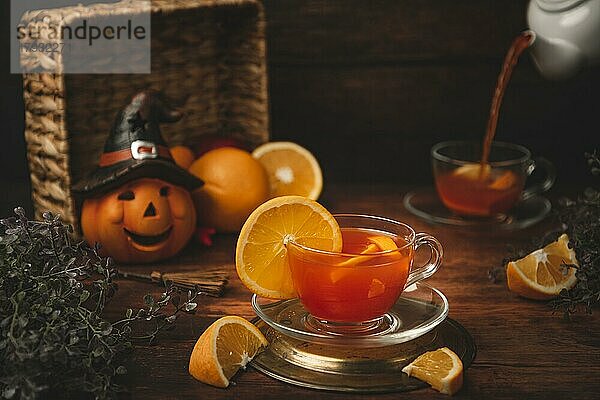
x,y
582,219
53,290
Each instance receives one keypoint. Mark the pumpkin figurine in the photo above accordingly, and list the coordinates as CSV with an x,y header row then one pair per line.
x,y
137,202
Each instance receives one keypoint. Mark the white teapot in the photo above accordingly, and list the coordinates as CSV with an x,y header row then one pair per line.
x,y
566,35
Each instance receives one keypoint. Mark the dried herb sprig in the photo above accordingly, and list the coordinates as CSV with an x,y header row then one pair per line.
x,y
582,220
53,337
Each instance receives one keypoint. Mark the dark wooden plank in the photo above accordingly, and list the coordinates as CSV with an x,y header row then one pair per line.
x,y
524,351
390,31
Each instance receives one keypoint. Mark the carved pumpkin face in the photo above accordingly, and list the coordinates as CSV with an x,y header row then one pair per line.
x,y
143,221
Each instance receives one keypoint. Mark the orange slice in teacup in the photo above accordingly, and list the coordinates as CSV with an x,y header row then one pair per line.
x,y
376,245
383,242
504,181
473,171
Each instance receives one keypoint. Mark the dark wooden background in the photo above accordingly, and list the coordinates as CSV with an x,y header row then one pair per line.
x,y
370,86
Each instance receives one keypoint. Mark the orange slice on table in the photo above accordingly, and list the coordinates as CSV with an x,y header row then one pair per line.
x,y
261,256
226,346
540,275
442,369
292,169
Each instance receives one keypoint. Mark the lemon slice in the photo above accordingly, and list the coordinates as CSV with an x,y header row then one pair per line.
x,y
225,347
442,369
292,169
261,256
540,275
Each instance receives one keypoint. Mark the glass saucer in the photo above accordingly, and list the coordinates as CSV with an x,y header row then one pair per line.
x,y
417,311
362,370
425,203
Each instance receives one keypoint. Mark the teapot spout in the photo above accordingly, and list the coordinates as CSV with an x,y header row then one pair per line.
x,y
555,58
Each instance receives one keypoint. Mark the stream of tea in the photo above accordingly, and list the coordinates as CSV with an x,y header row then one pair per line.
x,y
521,42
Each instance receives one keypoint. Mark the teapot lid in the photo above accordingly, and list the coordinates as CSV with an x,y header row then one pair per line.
x,y
558,5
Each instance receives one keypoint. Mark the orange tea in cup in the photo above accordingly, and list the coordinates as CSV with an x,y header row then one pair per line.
x,y
351,289
364,281
468,191
469,187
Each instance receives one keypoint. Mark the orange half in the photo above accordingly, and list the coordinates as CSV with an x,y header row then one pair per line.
x,y
292,169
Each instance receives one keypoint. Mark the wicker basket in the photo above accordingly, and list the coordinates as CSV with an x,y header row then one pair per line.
x,y
217,65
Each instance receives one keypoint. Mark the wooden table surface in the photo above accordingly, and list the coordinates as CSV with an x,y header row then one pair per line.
x,y
524,350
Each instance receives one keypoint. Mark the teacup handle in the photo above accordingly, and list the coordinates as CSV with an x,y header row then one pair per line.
x,y
543,186
435,259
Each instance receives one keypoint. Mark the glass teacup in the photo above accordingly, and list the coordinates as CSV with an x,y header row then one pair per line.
x,y
355,288
469,189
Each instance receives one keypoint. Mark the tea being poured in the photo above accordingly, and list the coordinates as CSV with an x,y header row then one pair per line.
x,y
522,42
478,189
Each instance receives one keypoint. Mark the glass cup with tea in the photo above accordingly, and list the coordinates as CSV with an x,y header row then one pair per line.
x,y
470,188
351,291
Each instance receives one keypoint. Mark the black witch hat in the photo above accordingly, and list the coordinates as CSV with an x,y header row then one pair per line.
x,y
136,149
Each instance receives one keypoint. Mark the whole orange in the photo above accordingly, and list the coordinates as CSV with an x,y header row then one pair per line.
x,y
183,156
234,185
